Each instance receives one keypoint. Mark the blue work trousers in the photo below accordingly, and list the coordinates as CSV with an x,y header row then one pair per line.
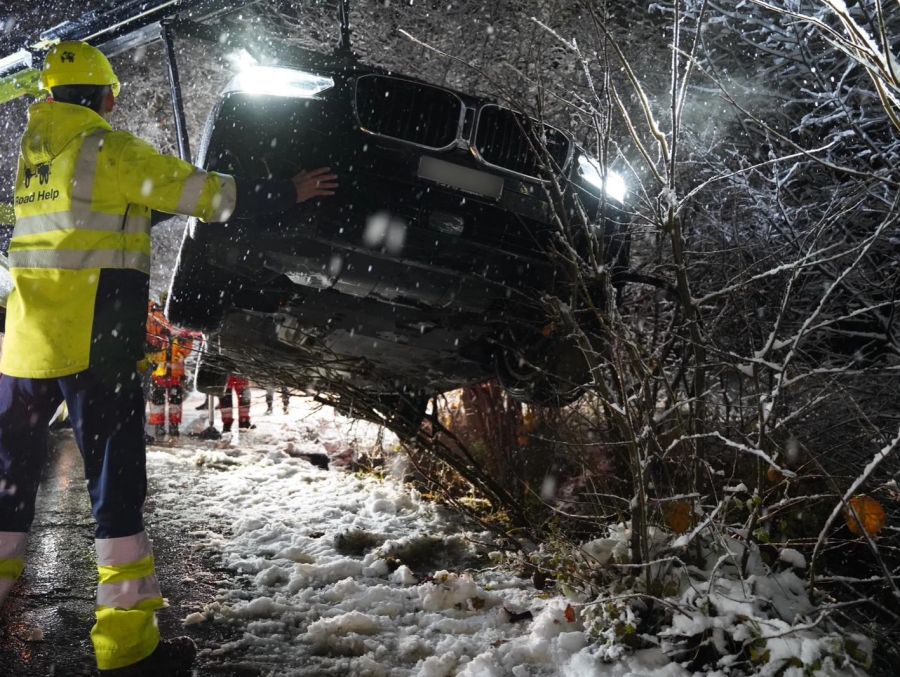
x,y
108,423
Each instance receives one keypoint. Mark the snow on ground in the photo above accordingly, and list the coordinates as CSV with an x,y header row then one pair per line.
x,y
342,574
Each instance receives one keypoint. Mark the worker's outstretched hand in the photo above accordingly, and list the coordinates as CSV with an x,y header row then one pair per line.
x,y
315,183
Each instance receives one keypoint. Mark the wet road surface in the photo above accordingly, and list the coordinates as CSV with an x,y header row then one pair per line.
x,y
45,622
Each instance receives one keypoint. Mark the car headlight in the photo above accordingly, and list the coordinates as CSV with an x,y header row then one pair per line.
x,y
589,169
277,81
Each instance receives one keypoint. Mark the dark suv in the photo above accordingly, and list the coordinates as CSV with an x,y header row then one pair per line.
x,y
423,273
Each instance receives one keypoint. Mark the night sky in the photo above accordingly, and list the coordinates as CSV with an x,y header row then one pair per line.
x,y
23,20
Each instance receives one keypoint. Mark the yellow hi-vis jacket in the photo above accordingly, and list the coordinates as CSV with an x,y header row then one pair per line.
x,y
80,251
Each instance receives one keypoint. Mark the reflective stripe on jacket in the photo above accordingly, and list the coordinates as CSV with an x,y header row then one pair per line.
x,y
80,251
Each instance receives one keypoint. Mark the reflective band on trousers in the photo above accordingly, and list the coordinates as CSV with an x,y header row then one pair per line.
x,y
128,571
128,594
12,553
11,568
123,550
124,637
127,574
76,259
12,559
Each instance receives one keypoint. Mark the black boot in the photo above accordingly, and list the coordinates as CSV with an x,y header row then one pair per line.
x,y
210,434
226,427
159,431
171,658
174,431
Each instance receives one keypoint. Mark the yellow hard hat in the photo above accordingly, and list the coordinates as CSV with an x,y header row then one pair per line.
x,y
77,63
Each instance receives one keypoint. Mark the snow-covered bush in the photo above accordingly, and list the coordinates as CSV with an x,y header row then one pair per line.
x,y
743,386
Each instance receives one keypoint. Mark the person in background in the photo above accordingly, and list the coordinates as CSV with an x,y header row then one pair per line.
x,y
79,259
241,388
168,348
270,399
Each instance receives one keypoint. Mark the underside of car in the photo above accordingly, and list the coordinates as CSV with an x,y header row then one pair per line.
x,y
423,274
431,266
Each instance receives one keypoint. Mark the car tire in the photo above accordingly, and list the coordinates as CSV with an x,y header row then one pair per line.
x,y
209,380
196,308
403,413
197,297
549,373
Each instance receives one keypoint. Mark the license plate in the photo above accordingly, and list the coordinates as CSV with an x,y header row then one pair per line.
x,y
459,177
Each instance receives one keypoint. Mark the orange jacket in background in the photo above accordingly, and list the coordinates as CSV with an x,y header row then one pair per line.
x,y
168,346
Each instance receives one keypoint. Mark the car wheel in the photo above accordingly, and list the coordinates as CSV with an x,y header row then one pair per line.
x,y
402,413
209,380
198,297
197,308
548,373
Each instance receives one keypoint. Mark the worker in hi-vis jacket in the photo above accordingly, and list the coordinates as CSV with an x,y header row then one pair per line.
x,y
75,330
